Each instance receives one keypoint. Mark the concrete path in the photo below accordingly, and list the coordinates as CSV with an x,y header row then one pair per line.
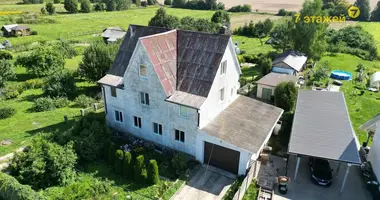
x,y
210,184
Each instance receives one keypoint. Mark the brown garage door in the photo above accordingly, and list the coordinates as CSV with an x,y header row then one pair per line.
x,y
221,157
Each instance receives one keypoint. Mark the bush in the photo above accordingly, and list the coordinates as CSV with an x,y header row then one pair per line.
x,y
11,189
7,112
152,172
99,7
260,29
42,62
285,95
220,16
60,102
265,65
34,83
84,101
138,3
168,2
33,33
44,104
43,11
12,91
32,1
60,85
220,6
239,8
66,49
44,164
71,6
179,162
118,165
127,165
179,3
233,189
111,153
85,6
283,12
6,72
151,2
5,55
144,4
140,174
50,8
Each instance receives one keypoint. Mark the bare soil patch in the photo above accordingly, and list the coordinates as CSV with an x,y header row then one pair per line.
x,y
237,21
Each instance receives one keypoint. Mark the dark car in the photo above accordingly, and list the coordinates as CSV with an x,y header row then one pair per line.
x,y
321,172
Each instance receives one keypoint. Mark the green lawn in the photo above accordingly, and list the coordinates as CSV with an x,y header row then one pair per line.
x,y
374,29
252,45
73,63
361,107
251,73
252,192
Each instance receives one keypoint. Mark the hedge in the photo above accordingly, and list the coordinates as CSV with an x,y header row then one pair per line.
x,y
11,189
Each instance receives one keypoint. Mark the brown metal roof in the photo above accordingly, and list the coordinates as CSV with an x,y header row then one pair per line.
x,y
126,49
248,129
187,99
273,79
162,51
199,56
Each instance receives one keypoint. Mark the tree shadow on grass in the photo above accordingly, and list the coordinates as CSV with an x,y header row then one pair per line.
x,y
23,77
55,128
31,97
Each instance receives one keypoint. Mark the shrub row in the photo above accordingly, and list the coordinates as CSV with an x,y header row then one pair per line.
x,y
283,12
12,91
7,112
11,189
46,103
259,29
196,4
84,101
5,55
239,8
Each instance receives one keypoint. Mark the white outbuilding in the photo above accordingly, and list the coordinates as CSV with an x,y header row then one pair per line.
x,y
375,80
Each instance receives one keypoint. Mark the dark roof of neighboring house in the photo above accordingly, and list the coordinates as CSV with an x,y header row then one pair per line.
x,y
371,124
273,79
246,123
185,61
291,58
322,127
126,49
19,27
113,32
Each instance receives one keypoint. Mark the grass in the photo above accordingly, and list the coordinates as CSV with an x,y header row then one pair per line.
x,y
361,107
73,63
251,73
252,192
252,45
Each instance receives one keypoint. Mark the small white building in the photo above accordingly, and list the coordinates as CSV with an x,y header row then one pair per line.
x,y
373,127
375,80
179,89
113,34
267,84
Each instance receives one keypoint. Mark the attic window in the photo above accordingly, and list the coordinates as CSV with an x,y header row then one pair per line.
x,y
113,91
142,70
223,67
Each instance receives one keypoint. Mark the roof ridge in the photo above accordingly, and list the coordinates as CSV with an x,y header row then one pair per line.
x,y
157,34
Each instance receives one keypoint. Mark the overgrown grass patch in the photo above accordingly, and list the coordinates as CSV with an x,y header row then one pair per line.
x,y
252,45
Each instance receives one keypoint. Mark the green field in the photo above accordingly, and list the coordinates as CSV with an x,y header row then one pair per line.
x,y
361,107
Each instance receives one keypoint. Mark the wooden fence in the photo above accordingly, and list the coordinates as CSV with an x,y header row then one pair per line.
x,y
246,182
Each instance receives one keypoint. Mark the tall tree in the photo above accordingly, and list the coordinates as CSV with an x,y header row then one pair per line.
x,y
50,8
375,15
364,8
71,6
85,6
97,60
161,19
285,95
310,37
281,36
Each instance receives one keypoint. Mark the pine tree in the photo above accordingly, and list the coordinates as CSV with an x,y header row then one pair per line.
x,y
364,8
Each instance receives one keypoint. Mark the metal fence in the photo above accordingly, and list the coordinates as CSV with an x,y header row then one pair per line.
x,y
246,182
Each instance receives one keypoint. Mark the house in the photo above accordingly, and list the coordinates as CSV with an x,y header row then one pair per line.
x,y
290,62
179,89
112,34
15,30
373,127
375,81
266,85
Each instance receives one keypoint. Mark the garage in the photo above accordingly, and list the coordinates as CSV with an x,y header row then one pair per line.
x,y
221,157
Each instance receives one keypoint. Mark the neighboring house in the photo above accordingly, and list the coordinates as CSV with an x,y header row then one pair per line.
x,y
15,30
179,89
373,127
375,80
290,62
2,46
266,85
112,34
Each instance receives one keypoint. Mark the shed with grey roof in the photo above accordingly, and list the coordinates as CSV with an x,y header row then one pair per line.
x,y
290,62
322,128
266,85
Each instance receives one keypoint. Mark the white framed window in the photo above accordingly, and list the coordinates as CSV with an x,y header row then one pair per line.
x,y
142,70
137,121
183,111
179,136
223,67
113,91
144,98
118,116
157,128
222,94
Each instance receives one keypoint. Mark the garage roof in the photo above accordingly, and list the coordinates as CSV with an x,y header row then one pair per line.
x,y
273,79
322,127
246,123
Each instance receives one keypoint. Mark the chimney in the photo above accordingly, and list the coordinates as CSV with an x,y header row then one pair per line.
x,y
223,30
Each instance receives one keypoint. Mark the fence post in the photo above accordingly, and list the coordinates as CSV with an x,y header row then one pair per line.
x,y
82,112
95,107
65,118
